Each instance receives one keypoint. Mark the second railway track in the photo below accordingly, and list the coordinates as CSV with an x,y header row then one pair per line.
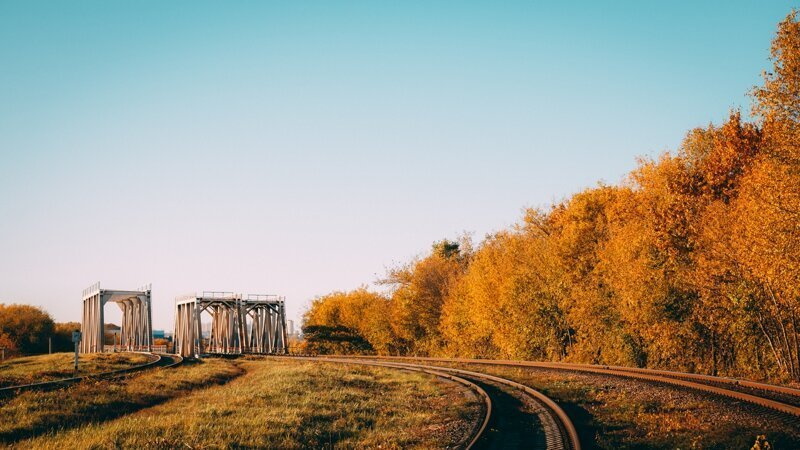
x,y
157,360
782,399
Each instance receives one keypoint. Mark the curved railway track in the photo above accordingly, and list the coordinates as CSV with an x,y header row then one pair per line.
x,y
776,398
784,394
156,360
558,430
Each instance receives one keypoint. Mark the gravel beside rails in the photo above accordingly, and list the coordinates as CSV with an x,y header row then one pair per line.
x,y
778,396
459,431
616,412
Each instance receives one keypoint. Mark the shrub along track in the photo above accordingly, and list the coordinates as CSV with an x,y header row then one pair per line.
x,y
511,427
155,360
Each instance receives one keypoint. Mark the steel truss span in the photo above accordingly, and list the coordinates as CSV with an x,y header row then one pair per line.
x,y
136,333
252,324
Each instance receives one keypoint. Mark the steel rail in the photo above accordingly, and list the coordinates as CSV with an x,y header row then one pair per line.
x,y
693,383
11,391
568,435
477,432
773,388
176,360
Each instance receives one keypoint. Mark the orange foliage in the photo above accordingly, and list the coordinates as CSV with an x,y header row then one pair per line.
x,y
692,263
25,327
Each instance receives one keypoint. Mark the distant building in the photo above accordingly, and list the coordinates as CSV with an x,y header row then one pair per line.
x,y
110,328
111,333
290,326
159,334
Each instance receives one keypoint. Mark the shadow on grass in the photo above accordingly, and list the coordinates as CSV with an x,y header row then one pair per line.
x,y
584,422
314,431
511,424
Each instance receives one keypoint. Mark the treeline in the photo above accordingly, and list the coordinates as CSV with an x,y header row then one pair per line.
x,y
692,263
28,330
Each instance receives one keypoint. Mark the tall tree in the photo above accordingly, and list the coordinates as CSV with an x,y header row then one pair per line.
x,y
420,289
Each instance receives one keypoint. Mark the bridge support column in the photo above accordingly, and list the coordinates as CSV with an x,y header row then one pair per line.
x,y
136,333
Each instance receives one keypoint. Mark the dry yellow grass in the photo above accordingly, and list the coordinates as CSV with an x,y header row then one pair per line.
x,y
288,404
33,369
33,413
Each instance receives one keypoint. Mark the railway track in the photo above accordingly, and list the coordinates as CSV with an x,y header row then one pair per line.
x,y
784,394
782,399
156,360
558,430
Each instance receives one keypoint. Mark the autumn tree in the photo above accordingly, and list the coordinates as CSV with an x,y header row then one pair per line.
x,y
349,322
26,327
654,258
768,213
579,230
691,263
505,305
419,291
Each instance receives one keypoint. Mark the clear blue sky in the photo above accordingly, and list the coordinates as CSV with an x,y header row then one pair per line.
x,y
303,147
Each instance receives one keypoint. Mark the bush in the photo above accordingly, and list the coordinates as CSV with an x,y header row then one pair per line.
x,y
322,339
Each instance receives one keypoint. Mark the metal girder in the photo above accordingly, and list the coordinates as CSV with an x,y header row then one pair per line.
x,y
136,333
256,324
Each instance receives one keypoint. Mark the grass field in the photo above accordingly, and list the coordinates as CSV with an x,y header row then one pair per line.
x,y
33,413
32,369
275,403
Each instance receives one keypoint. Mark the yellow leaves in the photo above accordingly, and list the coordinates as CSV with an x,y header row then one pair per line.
x,y
361,310
692,263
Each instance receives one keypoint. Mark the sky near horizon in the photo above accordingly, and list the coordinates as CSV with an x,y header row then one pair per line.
x,y
303,147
